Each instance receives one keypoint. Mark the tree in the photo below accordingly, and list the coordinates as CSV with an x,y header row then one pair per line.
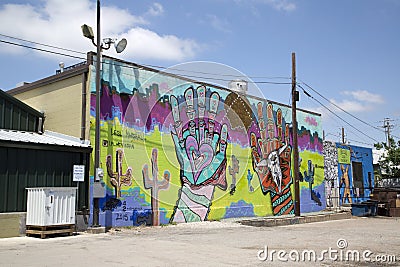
x,y
390,162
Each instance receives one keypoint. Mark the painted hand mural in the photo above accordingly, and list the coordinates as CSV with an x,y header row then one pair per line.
x,y
272,159
200,145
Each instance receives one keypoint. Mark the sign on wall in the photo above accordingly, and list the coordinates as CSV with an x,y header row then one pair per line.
x,y
79,173
343,156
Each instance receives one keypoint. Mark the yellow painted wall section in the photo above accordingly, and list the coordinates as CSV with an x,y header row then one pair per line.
x,y
61,103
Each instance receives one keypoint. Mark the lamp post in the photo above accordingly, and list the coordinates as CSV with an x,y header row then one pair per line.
x,y
106,44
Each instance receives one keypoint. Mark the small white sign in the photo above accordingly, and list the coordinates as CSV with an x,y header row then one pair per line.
x,y
79,173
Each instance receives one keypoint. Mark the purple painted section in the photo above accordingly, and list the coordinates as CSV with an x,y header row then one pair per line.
x,y
309,142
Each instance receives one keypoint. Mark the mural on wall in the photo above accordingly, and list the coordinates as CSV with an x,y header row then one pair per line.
x,y
272,159
249,178
200,146
210,144
118,179
344,185
331,174
155,185
308,176
233,171
349,172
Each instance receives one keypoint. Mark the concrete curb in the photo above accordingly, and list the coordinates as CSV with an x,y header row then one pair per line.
x,y
270,222
96,230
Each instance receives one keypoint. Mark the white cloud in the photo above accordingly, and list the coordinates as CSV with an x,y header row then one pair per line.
x,y
218,23
280,5
350,105
58,22
156,10
145,44
359,101
284,5
363,95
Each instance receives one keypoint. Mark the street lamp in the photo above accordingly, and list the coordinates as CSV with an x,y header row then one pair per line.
x,y
106,44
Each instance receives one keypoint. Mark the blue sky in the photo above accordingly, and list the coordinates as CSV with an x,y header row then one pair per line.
x,y
347,51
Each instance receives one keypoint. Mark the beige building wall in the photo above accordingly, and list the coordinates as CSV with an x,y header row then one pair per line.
x,y
61,102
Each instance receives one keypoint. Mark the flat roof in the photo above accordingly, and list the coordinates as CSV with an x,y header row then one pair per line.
x,y
27,139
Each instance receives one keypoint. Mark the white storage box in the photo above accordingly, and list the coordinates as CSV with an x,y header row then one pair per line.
x,y
51,206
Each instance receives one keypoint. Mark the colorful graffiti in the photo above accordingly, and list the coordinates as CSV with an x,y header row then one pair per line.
x,y
308,176
349,172
345,195
249,178
201,152
154,184
233,171
118,179
201,136
331,174
272,159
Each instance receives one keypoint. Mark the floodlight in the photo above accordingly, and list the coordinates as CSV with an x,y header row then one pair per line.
x,y
121,45
87,31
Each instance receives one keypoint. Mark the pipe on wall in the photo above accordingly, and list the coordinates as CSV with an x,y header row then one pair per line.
x,y
84,96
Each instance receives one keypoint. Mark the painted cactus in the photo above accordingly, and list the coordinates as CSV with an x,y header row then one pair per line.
x,y
233,170
155,185
117,178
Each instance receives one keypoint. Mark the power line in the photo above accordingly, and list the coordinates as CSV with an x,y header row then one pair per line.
x,y
190,76
132,67
352,140
162,67
42,50
219,74
366,123
306,93
46,45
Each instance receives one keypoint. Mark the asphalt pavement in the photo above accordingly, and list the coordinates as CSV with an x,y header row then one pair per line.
x,y
359,241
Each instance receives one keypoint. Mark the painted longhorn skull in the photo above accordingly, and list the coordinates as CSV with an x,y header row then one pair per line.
x,y
272,165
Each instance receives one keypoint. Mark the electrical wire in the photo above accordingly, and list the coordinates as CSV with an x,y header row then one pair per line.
x,y
218,74
374,127
195,77
366,123
46,45
161,67
125,66
42,50
319,102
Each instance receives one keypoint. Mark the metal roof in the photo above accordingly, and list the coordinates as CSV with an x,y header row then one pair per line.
x,y
47,138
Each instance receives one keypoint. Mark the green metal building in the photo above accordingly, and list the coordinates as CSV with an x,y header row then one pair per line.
x,y
31,157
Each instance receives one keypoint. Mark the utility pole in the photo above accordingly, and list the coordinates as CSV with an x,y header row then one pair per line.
x,y
387,126
96,208
295,98
343,139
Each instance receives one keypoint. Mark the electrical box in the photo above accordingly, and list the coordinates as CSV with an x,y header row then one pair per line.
x,y
51,206
99,174
99,190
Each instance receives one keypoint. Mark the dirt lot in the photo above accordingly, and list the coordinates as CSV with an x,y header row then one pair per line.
x,y
224,243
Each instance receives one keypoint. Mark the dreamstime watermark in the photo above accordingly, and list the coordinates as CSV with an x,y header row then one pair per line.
x,y
341,253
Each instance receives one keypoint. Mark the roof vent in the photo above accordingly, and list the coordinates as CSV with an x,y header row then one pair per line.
x,y
21,84
62,65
